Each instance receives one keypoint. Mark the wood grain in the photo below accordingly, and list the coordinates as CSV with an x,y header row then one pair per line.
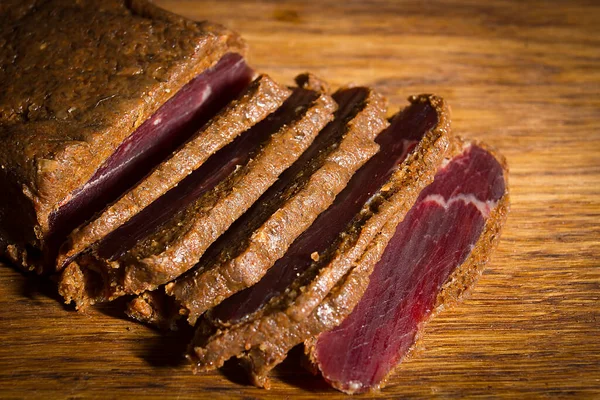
x,y
524,77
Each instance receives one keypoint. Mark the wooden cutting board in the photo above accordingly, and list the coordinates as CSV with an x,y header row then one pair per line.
x,y
524,77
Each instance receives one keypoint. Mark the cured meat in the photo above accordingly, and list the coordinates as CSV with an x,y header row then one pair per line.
x,y
262,323
168,237
260,99
434,255
168,128
59,127
138,135
242,256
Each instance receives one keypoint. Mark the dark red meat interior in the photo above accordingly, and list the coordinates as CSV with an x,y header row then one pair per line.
x,y
436,236
215,169
167,129
407,128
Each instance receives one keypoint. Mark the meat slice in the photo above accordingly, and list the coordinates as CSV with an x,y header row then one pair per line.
x,y
261,323
433,256
169,236
244,254
260,99
62,130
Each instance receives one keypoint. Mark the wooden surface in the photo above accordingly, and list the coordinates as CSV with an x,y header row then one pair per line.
x,y
523,76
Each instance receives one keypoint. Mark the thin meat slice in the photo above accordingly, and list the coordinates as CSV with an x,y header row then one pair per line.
x,y
242,256
433,256
260,99
169,236
263,319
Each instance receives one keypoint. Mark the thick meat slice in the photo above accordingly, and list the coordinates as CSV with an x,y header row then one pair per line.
x,y
264,318
168,237
106,70
434,255
259,100
244,254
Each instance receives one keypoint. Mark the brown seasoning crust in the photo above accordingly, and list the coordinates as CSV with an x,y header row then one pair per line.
x,y
264,340
179,244
254,250
348,294
260,99
77,78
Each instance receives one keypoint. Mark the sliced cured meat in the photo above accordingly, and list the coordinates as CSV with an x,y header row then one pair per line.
x,y
169,236
261,323
433,256
262,235
58,133
168,128
259,100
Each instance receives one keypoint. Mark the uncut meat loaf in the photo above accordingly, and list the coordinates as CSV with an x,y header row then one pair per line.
x,y
262,323
433,256
244,254
260,99
79,80
168,237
